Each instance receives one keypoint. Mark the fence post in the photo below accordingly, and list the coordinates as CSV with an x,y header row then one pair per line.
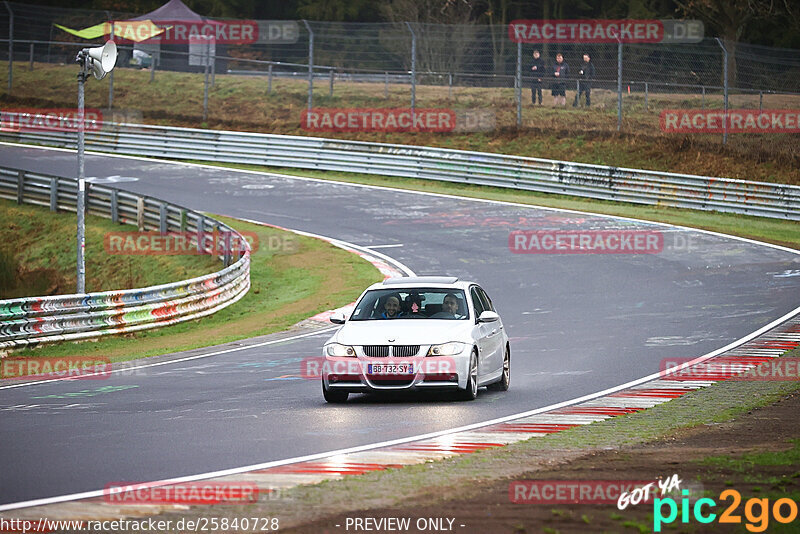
x,y
10,46
183,221
226,259
518,83
703,87
213,60
310,65
201,245
140,213
54,194
152,68
619,85
269,79
114,205
760,101
333,73
724,90
386,85
111,74
646,105
31,58
206,54
449,85
162,218
20,186
413,68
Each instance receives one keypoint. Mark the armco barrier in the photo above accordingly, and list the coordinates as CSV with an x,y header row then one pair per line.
x,y
548,176
34,320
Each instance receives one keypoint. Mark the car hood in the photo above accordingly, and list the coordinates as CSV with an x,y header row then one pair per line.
x,y
404,332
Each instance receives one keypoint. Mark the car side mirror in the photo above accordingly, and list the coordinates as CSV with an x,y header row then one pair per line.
x,y
337,318
488,317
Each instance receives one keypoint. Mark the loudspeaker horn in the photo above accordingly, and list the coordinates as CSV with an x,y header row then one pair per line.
x,y
102,59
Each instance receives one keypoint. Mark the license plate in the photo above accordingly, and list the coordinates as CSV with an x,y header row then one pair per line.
x,y
390,369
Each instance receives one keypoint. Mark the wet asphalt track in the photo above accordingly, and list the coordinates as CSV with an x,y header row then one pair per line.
x,y
578,324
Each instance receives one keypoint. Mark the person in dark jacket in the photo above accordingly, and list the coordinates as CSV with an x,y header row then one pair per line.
x,y
560,72
585,77
538,70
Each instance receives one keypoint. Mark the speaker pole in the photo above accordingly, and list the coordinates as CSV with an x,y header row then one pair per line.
x,y
82,75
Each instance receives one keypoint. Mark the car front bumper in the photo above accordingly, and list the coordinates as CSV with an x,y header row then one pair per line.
x,y
430,372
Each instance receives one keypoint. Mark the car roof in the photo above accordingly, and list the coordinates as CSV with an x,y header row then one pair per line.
x,y
422,281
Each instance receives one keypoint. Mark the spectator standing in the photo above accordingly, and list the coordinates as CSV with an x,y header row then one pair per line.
x,y
538,69
560,72
585,77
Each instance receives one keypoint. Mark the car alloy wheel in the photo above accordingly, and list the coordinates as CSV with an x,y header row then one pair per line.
x,y
471,391
505,378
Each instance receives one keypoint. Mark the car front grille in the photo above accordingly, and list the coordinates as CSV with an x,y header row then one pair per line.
x,y
405,351
382,351
376,351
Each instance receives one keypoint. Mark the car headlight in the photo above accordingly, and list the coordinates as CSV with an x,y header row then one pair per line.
x,y
335,349
446,349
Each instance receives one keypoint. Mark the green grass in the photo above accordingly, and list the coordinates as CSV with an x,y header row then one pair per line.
x,y
641,527
37,256
748,462
287,285
590,136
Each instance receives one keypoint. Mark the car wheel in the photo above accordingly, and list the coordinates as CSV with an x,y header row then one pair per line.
x,y
333,396
471,392
505,378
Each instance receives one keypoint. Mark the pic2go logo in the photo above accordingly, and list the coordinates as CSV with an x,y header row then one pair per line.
x,y
757,521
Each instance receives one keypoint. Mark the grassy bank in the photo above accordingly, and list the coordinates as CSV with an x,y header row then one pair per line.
x,y
37,256
289,283
585,135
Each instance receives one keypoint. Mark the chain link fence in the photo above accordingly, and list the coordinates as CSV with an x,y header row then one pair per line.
x,y
434,65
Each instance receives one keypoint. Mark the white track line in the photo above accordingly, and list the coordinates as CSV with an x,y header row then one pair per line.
x,y
371,446
178,360
238,470
336,242
411,191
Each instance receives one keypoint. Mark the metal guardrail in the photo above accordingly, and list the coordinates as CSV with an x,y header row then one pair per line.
x,y
33,320
514,172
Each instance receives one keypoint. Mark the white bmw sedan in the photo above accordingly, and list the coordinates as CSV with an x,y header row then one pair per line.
x,y
418,333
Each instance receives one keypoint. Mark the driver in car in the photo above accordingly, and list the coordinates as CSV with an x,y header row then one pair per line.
x,y
449,308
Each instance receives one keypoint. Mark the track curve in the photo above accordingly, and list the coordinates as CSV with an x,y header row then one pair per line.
x,y
578,323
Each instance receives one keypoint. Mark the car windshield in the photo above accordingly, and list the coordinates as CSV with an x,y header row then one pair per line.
x,y
412,303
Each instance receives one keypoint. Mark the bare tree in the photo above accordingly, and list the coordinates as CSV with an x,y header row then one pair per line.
x,y
730,18
444,30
